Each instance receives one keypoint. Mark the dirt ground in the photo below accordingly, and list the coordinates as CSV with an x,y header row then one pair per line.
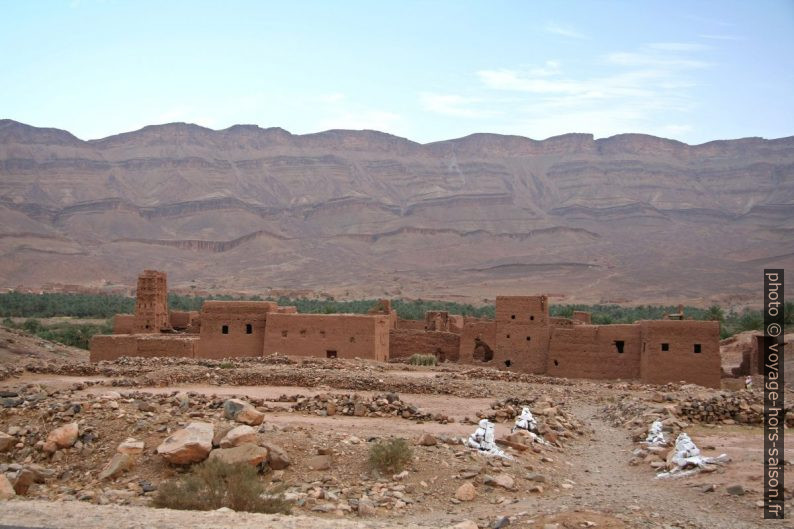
x,y
584,480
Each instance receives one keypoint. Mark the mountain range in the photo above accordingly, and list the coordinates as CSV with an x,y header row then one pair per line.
x,y
630,218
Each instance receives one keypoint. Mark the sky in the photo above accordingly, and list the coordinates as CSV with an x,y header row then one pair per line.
x,y
694,71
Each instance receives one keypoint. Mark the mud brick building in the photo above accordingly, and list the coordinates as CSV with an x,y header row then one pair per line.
x,y
522,337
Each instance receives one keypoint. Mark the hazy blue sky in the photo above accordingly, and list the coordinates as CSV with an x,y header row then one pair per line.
x,y
689,70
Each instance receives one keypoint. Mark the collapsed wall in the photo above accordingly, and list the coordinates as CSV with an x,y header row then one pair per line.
x,y
477,339
328,335
113,346
404,343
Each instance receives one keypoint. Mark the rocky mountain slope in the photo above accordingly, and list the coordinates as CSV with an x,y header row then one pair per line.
x,y
628,218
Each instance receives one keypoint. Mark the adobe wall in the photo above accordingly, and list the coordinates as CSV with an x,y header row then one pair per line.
x,y
593,351
437,320
403,343
680,361
244,322
556,321
455,323
418,325
123,323
151,303
112,346
582,317
324,335
177,346
522,333
289,309
182,320
473,329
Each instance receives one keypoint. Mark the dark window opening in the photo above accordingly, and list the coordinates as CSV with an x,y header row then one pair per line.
x,y
532,318
225,329
619,345
512,316
665,347
697,347
283,334
556,363
529,338
303,332
507,336
352,339
508,363
249,329
147,326
322,333
330,354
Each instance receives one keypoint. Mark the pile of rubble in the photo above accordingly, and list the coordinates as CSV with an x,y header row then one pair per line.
x,y
554,424
742,407
385,405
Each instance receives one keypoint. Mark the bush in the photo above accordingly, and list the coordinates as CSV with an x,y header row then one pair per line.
x,y
423,360
214,484
390,456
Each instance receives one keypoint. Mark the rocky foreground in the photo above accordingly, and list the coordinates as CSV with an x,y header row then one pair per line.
x,y
96,436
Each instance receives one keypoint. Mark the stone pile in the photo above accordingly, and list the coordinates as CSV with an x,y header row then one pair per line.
x,y
384,405
554,423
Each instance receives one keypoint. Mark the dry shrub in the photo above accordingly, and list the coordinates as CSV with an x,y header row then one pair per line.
x,y
390,456
423,360
214,484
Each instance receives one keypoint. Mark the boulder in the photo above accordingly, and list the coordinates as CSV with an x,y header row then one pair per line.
x,y
246,453
241,411
427,440
322,462
277,458
120,463
188,445
500,480
23,479
62,437
131,447
237,436
466,492
7,442
6,489
366,507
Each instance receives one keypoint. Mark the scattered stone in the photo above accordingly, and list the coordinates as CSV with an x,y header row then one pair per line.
x,y
735,490
366,507
188,445
6,489
120,463
467,524
23,480
131,447
536,476
63,437
427,439
466,492
500,480
7,442
321,462
277,457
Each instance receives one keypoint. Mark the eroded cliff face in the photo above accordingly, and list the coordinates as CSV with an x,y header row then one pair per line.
x,y
631,217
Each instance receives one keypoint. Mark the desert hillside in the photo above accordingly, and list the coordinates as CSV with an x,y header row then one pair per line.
x,y
630,218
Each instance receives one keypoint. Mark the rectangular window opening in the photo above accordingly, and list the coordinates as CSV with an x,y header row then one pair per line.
x,y
224,329
283,334
697,348
619,345
665,347
330,353
249,329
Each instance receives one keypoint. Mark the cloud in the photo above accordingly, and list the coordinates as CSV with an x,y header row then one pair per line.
x,y
565,31
454,105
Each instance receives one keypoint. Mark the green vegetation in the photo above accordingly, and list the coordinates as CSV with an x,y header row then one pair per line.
x,y
214,484
423,360
72,334
390,456
16,304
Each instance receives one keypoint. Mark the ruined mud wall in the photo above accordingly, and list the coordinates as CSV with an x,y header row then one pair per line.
x,y
669,352
418,325
182,320
597,352
560,322
111,347
522,333
474,329
328,335
403,343
582,317
123,323
437,320
233,328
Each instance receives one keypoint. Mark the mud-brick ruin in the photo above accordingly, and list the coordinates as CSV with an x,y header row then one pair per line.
x,y
522,337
